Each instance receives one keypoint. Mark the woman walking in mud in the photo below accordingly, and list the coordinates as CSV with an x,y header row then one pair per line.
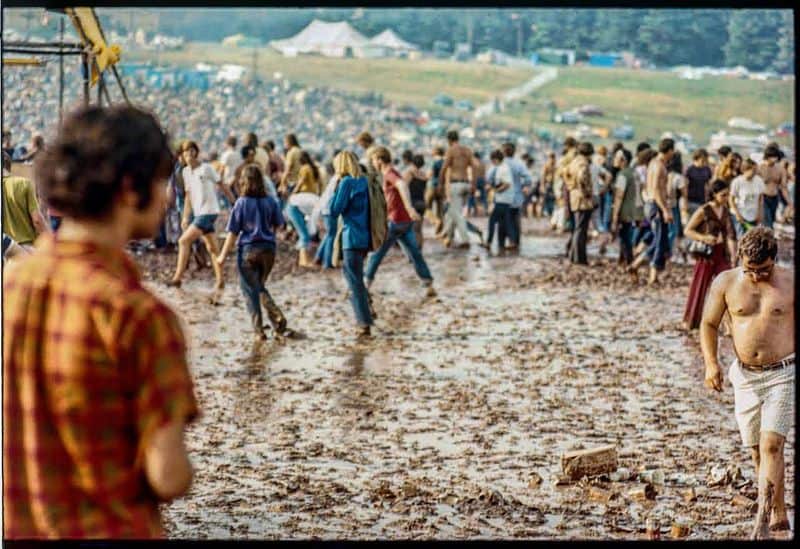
x,y
302,201
253,219
351,201
711,229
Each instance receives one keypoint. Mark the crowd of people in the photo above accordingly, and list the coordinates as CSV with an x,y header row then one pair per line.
x,y
93,196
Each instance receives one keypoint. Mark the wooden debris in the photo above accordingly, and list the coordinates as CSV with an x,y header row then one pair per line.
x,y
595,461
744,501
600,495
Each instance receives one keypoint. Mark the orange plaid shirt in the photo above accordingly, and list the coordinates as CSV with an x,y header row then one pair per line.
x,y
93,364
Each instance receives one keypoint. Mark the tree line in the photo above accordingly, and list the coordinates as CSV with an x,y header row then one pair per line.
x,y
757,39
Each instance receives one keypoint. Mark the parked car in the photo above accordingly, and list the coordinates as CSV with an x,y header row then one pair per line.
x,y
590,110
567,117
465,105
443,100
787,128
623,132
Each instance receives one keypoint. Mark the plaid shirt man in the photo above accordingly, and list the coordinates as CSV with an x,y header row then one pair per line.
x,y
93,365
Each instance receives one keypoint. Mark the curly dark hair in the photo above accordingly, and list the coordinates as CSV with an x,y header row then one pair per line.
x,y
81,172
758,245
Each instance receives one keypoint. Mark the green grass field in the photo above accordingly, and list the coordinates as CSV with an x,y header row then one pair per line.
x,y
413,82
653,102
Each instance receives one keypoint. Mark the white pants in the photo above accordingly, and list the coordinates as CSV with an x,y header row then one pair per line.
x,y
454,220
764,401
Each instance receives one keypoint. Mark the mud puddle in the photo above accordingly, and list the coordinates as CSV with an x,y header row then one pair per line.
x,y
451,422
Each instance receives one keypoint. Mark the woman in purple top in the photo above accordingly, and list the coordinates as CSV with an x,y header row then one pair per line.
x,y
253,220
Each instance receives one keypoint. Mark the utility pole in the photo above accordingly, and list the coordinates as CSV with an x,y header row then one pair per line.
x,y
28,16
470,30
519,37
61,71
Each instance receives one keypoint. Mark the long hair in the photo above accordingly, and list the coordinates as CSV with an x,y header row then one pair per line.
x,y
305,158
345,163
253,182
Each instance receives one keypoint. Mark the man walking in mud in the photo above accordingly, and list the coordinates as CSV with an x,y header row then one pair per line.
x,y
458,176
759,296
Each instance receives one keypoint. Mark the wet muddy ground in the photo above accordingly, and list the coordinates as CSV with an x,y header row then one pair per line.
x,y
451,422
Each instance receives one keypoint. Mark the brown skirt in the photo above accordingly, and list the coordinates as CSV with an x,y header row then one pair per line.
x,y
705,269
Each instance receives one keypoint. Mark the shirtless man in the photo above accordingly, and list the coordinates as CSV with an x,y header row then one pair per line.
x,y
759,296
774,176
458,175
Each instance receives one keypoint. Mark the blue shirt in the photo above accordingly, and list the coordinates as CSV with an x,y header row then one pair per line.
x,y
253,218
351,201
520,177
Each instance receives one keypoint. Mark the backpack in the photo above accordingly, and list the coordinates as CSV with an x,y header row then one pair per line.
x,y
378,224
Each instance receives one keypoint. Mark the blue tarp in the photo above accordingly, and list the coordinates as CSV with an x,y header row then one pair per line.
x,y
604,59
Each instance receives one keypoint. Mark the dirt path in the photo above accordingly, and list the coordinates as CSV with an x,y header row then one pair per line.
x,y
451,423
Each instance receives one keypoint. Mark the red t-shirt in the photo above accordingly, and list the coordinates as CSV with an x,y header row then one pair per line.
x,y
395,209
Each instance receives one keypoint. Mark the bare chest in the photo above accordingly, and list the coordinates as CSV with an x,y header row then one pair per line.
x,y
767,302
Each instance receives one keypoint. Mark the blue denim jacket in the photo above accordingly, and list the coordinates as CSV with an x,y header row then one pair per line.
x,y
521,177
351,201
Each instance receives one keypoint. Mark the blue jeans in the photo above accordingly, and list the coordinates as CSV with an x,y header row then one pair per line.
x,y
549,202
353,271
403,233
626,241
605,204
770,210
514,225
658,250
298,221
255,263
325,250
500,216
675,228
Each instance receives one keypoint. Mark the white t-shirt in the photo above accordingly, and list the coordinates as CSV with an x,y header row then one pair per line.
x,y
232,160
746,195
202,190
504,175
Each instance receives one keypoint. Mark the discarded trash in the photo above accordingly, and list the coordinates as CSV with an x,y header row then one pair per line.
x,y
679,529
594,461
601,495
689,495
653,476
620,475
653,529
722,476
534,480
642,492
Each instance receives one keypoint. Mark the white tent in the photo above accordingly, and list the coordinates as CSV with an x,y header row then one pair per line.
x,y
390,41
328,39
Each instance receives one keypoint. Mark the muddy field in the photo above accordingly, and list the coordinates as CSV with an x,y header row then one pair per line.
x,y
451,422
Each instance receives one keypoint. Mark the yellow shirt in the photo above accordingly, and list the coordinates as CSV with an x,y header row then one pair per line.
x,y
306,182
293,165
19,203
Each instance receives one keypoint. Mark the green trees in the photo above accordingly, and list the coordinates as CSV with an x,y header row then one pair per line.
x,y
753,38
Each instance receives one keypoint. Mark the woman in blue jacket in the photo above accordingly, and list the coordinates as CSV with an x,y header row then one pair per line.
x,y
351,201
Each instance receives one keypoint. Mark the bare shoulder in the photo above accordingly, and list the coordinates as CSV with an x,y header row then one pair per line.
x,y
726,280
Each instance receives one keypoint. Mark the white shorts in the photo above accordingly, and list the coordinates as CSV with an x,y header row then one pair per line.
x,y
764,401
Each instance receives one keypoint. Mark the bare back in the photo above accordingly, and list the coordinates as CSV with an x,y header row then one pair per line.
x,y
459,159
657,180
762,315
